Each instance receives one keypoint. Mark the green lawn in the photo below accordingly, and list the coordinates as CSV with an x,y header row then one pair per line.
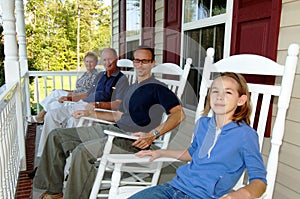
x,y
59,82
68,84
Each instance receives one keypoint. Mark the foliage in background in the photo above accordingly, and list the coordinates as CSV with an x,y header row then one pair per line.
x,y
51,31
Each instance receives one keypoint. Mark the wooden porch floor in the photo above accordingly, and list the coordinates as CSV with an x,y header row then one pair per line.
x,y
24,187
25,190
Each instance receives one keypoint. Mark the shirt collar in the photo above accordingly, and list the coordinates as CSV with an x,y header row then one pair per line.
x,y
115,73
231,125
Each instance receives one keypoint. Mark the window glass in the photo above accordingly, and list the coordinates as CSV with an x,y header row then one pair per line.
x,y
203,28
195,10
200,9
218,7
203,9
133,17
131,46
195,44
190,11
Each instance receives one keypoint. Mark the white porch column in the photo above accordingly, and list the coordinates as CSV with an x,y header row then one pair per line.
x,y
23,61
11,64
12,67
21,32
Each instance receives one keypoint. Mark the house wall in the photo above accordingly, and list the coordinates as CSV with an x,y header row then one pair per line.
x,y
183,134
159,24
288,176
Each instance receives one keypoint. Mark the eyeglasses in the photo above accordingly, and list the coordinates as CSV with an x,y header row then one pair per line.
x,y
143,61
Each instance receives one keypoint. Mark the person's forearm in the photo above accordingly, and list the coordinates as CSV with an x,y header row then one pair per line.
x,y
114,105
175,117
180,155
108,116
75,97
256,188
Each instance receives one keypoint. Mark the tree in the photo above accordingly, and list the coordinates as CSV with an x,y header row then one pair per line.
x,y
51,28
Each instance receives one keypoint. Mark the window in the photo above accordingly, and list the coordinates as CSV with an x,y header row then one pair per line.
x,y
206,23
133,25
131,46
199,9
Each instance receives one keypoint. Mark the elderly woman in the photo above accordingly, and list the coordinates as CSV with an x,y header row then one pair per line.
x,y
82,86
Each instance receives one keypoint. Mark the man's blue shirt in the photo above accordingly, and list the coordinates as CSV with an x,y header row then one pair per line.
x,y
107,89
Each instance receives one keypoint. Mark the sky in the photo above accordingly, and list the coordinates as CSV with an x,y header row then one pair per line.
x,y
107,2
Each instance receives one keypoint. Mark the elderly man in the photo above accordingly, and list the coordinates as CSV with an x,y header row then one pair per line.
x,y
107,92
140,112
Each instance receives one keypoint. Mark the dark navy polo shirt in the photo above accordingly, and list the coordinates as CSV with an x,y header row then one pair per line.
x,y
144,104
108,89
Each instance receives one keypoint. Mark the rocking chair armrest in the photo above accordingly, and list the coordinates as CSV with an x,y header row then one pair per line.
x,y
121,135
104,110
127,135
131,158
97,120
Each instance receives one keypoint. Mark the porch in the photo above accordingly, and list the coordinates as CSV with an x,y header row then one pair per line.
x,y
18,142
24,187
15,104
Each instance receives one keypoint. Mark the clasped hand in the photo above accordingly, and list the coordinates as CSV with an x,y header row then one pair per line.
x,y
64,98
144,141
90,106
82,113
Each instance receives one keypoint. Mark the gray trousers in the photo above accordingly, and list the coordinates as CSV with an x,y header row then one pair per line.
x,y
57,118
86,144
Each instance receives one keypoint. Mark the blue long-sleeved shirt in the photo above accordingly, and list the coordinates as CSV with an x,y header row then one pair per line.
x,y
237,148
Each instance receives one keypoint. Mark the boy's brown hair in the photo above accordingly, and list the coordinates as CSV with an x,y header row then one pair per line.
x,y
242,113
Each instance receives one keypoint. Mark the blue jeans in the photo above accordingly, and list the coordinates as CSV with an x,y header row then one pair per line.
x,y
163,191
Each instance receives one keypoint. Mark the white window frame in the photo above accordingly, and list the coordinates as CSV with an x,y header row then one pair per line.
x,y
225,18
137,36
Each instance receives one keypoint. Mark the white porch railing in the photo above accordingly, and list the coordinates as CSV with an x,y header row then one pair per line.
x,y
46,81
11,154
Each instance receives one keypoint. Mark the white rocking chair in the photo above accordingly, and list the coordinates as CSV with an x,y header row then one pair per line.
x,y
129,72
243,64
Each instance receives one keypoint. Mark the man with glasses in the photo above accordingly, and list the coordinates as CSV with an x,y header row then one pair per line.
x,y
140,112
